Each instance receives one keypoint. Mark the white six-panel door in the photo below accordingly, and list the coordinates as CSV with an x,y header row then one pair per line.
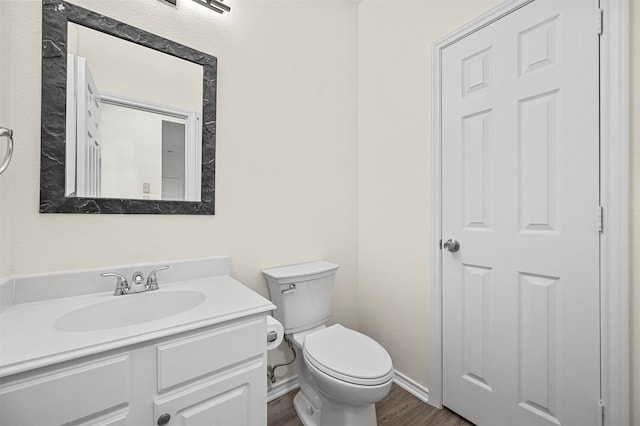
x,y
520,192
89,150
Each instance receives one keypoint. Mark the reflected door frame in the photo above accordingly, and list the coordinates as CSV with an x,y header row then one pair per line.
x,y
193,137
614,182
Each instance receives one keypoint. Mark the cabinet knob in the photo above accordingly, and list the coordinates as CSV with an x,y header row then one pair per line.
x,y
164,419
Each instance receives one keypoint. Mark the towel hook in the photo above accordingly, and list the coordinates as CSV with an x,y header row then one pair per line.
x,y
7,158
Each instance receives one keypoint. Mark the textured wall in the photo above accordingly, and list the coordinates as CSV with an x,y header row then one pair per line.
x,y
395,60
5,70
286,145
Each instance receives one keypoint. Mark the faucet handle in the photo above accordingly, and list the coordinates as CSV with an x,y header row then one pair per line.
x,y
152,279
122,286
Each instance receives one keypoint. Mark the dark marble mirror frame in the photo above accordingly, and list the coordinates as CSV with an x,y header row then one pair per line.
x,y
55,15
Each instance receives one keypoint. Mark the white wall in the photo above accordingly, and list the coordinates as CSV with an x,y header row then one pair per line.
x,y
5,71
286,178
395,49
128,69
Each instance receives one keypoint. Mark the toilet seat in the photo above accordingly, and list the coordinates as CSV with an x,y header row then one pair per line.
x,y
349,356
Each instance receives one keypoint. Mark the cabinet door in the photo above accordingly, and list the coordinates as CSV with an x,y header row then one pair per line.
x,y
234,399
63,395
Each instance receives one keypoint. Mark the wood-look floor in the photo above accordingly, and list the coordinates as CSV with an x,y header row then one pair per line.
x,y
399,408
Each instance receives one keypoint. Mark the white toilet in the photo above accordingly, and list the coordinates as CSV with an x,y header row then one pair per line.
x,y
342,373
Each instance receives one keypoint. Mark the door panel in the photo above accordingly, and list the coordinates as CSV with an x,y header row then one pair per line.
x,y
538,352
520,162
476,137
538,162
476,286
89,157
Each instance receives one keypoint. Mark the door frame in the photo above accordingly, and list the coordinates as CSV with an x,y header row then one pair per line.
x,y
614,197
192,141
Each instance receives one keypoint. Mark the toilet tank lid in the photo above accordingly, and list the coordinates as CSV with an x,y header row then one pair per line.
x,y
301,270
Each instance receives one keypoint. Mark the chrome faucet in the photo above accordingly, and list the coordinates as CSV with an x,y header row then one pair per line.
x,y
137,282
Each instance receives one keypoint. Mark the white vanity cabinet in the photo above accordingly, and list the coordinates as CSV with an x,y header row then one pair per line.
x,y
214,375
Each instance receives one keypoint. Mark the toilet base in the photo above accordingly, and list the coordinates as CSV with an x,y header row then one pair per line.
x,y
333,413
308,415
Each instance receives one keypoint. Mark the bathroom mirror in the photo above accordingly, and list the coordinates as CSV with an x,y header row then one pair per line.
x,y
128,118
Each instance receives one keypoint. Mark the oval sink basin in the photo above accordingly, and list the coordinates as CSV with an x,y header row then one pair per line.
x,y
130,309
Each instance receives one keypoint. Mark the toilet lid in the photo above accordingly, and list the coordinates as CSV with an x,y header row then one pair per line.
x,y
348,355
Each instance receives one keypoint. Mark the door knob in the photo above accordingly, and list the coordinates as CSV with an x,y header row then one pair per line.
x,y
451,245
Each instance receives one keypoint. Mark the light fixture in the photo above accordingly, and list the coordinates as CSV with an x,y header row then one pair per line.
x,y
216,5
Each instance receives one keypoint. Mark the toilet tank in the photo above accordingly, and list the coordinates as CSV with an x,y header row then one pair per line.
x,y
303,294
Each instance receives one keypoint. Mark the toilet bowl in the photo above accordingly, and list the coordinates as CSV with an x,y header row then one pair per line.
x,y
347,392
348,365
342,373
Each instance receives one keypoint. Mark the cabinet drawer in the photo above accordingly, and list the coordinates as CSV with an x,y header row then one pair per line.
x,y
196,356
64,395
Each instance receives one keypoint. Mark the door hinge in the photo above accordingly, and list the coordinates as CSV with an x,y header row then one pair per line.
x,y
599,21
600,413
600,218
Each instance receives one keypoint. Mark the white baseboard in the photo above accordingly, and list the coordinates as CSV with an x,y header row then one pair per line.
x,y
281,388
286,386
411,386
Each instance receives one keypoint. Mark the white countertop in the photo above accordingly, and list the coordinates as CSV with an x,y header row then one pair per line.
x,y
29,340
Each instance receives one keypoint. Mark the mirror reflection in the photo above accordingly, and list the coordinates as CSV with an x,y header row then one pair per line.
x,y
134,120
